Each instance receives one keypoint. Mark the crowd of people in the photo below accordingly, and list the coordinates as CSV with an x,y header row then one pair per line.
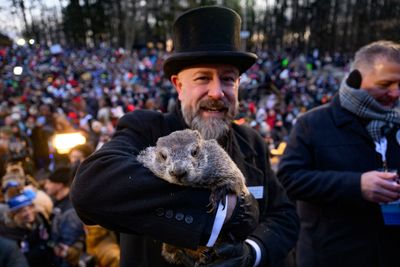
x,y
89,90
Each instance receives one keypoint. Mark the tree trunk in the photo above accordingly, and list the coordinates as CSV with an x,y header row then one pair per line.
x,y
129,24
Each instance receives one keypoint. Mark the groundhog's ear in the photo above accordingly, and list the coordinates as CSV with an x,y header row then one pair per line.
x,y
146,155
197,134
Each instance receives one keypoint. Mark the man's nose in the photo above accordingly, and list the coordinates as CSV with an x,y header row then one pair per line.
x,y
394,90
215,89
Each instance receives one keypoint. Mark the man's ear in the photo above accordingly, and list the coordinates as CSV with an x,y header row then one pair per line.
x,y
177,84
354,79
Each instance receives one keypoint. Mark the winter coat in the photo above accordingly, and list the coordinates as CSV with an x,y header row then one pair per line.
x,y
67,229
328,150
10,255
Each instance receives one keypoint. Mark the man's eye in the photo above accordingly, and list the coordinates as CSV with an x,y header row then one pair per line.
x,y
201,78
228,79
383,85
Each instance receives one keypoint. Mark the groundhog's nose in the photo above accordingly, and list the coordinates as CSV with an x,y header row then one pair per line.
x,y
179,173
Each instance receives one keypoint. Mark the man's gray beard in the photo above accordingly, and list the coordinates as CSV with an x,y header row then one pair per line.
x,y
211,128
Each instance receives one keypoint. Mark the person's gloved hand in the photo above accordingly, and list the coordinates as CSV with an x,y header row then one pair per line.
x,y
239,254
244,219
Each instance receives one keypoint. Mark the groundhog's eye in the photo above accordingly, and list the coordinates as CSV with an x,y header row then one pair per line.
x,y
162,155
195,151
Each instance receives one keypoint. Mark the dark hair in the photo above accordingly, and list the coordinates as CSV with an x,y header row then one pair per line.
x,y
84,148
62,174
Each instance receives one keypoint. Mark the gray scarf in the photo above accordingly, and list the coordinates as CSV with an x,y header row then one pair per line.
x,y
360,103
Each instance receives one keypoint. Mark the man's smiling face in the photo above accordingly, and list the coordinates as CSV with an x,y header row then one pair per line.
x,y
209,97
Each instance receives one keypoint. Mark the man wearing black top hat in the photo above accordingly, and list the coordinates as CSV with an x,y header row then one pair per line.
x,y
114,190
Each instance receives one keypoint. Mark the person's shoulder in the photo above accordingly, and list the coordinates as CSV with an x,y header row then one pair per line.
x,y
247,133
6,243
244,129
317,113
138,117
142,114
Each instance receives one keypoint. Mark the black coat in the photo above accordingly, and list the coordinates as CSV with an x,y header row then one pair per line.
x,y
10,254
114,190
328,150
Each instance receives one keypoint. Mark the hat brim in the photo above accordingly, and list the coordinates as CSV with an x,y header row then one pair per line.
x,y
176,62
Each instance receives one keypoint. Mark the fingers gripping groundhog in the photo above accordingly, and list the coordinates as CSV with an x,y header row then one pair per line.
x,y
185,158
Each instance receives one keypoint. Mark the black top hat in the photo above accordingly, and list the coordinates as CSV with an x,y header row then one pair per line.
x,y
207,35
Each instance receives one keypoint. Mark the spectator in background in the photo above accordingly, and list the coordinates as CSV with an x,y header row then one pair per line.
x,y
78,153
15,174
29,228
5,136
337,166
67,229
40,143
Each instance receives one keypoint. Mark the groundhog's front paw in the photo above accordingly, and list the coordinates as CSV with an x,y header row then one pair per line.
x,y
170,253
205,255
217,196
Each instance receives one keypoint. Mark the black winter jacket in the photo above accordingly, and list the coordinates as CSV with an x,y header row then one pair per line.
x,y
328,150
114,190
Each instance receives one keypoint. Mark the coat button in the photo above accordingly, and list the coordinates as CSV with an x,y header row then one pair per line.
x,y
179,216
169,214
160,212
188,219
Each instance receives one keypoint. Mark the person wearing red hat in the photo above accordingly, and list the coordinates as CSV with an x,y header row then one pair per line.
x,y
114,190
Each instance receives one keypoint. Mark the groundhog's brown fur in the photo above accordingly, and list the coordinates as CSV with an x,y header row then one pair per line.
x,y
185,158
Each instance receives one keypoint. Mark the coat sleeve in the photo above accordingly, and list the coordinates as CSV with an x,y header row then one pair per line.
x,y
304,180
114,190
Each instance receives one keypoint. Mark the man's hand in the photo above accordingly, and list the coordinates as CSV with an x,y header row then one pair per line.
x,y
61,250
237,254
244,219
380,187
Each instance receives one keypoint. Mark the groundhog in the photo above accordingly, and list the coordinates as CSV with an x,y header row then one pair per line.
x,y
185,158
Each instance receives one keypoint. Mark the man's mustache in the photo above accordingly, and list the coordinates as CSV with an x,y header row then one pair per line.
x,y
213,104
